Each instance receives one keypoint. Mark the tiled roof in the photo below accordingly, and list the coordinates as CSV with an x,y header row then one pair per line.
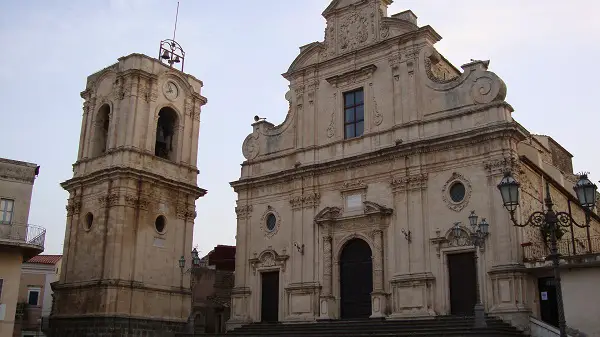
x,y
45,259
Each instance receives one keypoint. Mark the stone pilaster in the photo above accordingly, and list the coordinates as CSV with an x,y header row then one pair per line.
x,y
327,301
378,296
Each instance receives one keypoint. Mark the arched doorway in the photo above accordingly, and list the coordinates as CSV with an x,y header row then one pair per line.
x,y
356,279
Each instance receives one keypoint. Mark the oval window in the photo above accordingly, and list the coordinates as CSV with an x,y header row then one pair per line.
x,y
457,192
271,222
159,224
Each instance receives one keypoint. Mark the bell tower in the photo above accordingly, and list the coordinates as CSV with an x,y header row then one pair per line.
x,y
131,206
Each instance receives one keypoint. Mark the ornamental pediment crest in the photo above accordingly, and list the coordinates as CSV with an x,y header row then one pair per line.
x,y
335,213
328,214
268,259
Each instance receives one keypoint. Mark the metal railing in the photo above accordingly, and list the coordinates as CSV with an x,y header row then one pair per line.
x,y
538,251
24,234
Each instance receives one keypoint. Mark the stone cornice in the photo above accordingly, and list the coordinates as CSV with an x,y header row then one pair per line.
x,y
441,115
17,170
353,75
116,283
505,130
132,173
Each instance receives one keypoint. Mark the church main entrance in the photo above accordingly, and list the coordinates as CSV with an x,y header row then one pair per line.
x,y
356,279
270,297
463,291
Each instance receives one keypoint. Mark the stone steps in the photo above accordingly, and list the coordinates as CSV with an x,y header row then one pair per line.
x,y
439,326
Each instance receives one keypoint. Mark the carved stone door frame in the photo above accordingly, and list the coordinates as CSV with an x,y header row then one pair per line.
x,y
267,261
335,230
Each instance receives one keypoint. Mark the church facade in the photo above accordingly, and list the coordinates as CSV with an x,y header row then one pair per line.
x,y
347,208
131,206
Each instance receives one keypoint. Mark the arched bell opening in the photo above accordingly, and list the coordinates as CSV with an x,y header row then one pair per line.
x,y
101,125
166,134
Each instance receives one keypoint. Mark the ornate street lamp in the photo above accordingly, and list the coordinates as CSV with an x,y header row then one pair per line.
x,y
479,232
195,262
551,222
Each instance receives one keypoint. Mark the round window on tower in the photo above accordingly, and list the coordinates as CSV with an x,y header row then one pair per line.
x,y
271,222
88,221
160,223
457,192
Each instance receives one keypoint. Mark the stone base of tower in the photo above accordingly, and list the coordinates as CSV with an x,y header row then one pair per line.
x,y
113,327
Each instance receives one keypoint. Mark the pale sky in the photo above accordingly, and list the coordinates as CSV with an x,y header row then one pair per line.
x,y
543,50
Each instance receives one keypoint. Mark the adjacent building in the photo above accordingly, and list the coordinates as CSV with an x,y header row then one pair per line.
x,y
212,281
19,240
131,206
35,295
350,207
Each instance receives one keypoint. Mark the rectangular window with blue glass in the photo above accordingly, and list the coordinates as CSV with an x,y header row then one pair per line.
x,y
354,113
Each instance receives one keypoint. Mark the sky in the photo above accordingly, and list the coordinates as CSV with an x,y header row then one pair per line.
x,y
543,50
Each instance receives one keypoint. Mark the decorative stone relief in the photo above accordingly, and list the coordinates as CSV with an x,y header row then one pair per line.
x,y
331,127
263,222
108,200
308,200
243,212
73,207
439,72
409,183
501,165
133,201
327,265
268,259
451,240
384,31
328,214
456,205
250,148
354,31
329,41
377,116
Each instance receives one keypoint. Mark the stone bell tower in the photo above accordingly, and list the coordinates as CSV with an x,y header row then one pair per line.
x,y
131,206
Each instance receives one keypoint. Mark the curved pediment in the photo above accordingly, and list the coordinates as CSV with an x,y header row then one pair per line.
x,y
328,214
336,213
309,55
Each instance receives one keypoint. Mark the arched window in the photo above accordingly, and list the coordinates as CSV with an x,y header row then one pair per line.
x,y
166,132
101,123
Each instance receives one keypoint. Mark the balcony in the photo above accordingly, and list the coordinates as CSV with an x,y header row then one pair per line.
x,y
27,238
574,252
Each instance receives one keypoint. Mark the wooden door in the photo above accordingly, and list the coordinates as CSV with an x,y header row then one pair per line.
x,y
548,302
356,279
463,291
270,297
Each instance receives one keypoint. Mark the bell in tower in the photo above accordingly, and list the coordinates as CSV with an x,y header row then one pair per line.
x,y
131,206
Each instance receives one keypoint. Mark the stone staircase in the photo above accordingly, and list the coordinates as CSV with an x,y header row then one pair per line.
x,y
440,326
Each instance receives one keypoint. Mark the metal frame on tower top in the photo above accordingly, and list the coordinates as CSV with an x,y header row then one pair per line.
x,y
171,51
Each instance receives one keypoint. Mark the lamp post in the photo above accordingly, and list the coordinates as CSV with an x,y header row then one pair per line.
x,y
550,221
479,232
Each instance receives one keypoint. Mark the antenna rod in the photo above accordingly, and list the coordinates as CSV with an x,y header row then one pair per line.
x,y
176,15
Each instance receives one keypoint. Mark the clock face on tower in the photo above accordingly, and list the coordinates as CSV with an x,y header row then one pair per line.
x,y
170,90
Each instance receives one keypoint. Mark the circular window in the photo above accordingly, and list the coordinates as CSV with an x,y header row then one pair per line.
x,y
271,222
159,224
89,221
457,192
